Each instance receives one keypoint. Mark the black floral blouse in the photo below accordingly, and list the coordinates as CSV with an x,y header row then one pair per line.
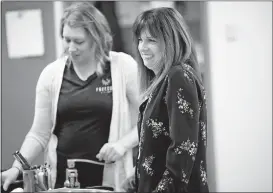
x,y
173,135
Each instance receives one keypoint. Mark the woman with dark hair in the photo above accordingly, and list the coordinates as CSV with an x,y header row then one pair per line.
x,y
173,115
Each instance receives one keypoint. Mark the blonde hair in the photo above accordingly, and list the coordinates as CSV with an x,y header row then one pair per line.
x,y
84,14
168,26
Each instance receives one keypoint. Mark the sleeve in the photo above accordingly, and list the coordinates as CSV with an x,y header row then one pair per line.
x,y
132,88
37,138
182,107
42,122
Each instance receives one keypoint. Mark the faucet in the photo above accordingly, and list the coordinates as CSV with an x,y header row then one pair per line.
x,y
72,173
35,178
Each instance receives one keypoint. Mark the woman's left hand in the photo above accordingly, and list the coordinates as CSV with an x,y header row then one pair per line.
x,y
111,152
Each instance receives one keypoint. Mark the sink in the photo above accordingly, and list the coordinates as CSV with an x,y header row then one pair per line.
x,y
77,190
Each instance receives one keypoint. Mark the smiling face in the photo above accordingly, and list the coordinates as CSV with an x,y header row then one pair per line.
x,y
150,51
78,44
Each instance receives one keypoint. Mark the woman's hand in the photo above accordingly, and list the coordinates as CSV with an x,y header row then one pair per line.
x,y
9,176
111,152
129,184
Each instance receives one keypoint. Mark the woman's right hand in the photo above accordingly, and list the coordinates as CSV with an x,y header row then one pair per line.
x,y
9,176
129,184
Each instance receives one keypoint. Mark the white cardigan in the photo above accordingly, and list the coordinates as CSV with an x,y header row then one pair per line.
x,y
124,114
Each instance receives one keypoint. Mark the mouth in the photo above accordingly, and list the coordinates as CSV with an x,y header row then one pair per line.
x,y
74,55
146,56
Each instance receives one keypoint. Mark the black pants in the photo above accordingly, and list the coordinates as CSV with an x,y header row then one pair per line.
x,y
88,174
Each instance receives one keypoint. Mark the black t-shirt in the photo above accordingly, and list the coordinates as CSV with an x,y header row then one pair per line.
x,y
83,119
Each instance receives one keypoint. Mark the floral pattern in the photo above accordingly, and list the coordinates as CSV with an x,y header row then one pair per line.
x,y
187,76
147,165
157,128
141,138
183,105
199,105
163,184
204,132
184,177
172,130
203,173
188,146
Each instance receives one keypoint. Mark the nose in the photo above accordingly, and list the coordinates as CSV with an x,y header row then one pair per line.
x,y
72,48
142,46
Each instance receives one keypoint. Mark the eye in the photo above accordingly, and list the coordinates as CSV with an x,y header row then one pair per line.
x,y
79,42
67,40
139,40
152,40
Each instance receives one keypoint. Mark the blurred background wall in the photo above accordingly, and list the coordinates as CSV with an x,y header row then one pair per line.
x,y
239,50
234,44
19,77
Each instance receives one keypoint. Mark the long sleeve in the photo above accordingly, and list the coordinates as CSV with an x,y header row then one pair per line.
x,y
42,123
182,106
132,94
132,89
39,134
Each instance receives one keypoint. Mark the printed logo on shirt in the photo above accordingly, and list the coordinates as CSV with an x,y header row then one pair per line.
x,y
106,88
106,81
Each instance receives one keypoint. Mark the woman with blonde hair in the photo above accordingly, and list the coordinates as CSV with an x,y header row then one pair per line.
x,y
85,105
173,118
